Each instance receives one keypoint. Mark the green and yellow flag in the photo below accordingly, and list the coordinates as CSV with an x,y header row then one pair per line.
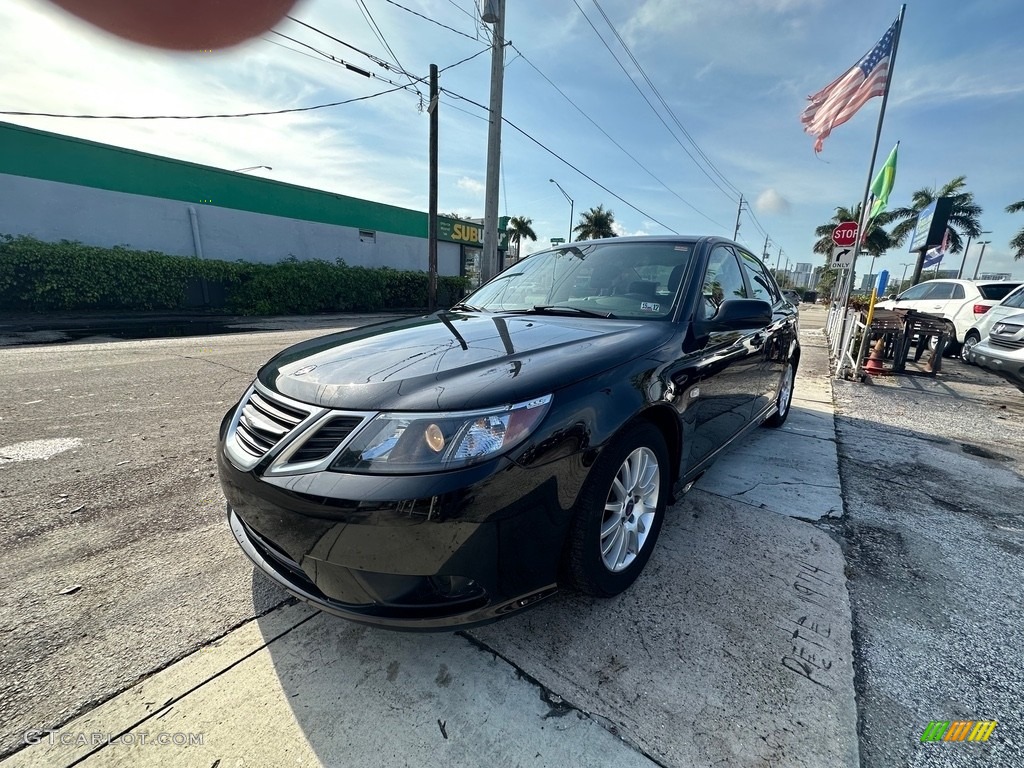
x,y
882,185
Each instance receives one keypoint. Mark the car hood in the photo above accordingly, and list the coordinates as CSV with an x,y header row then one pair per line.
x,y
456,361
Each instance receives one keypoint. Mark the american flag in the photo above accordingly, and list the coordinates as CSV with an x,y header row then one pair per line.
x,y
838,101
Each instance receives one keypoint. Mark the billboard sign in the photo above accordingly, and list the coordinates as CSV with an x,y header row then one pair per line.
x,y
931,225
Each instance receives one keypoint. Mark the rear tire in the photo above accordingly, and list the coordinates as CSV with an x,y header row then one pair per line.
x,y
619,513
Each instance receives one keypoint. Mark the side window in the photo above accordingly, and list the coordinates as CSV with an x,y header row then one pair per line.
x,y
940,292
958,291
722,280
917,292
761,284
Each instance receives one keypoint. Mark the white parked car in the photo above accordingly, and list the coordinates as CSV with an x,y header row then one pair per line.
x,y
1003,349
1013,304
960,302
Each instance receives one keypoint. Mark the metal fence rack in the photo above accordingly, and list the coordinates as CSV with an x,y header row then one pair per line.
x,y
901,331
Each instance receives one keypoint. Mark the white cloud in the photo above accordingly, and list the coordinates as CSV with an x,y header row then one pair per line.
x,y
471,185
771,201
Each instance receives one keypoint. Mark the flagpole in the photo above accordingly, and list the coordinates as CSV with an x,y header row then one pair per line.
x,y
862,234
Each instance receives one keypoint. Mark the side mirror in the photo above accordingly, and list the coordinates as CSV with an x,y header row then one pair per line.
x,y
740,314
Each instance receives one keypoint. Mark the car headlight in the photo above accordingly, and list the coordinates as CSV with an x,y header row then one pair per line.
x,y
427,442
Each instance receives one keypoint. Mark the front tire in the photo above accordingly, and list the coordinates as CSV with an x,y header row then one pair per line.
x,y
784,398
970,340
619,513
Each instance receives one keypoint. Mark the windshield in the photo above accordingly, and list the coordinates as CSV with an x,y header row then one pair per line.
x,y
626,280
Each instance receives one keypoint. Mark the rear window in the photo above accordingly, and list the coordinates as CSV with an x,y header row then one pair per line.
x,y
996,291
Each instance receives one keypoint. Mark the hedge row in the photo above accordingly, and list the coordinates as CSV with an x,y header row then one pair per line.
x,y
39,277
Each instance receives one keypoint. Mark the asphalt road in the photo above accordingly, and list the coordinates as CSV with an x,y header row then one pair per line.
x,y
933,532
127,517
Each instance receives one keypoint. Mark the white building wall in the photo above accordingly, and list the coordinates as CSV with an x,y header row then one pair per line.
x,y
52,211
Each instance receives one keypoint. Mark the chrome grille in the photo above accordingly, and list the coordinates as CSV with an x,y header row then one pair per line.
x,y
264,421
998,341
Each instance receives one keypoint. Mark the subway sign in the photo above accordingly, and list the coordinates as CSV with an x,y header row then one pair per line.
x,y
465,232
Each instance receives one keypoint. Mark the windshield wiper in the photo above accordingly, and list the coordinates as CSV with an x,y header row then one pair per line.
x,y
465,307
554,309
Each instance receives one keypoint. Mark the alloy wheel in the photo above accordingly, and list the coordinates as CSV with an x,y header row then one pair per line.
x,y
630,509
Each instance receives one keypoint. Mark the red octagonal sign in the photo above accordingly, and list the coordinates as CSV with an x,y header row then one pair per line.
x,y
845,233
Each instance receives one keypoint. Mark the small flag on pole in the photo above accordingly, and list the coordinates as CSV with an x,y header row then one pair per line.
x,y
882,185
838,101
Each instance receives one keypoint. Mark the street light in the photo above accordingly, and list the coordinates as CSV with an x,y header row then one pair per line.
x,y
570,206
904,278
251,168
963,261
980,257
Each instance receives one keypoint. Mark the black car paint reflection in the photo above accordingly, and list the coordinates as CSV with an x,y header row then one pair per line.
x,y
457,547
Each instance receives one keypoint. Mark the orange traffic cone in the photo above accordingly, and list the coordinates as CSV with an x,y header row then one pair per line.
x,y
873,365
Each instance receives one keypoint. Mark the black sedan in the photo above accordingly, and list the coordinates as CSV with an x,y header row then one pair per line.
x,y
450,469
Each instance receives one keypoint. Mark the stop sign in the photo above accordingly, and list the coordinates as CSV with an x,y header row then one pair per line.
x,y
845,233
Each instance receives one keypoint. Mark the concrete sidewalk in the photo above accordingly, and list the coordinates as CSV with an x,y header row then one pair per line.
x,y
734,648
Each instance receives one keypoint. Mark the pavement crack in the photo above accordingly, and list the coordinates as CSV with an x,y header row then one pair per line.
x,y
213,362
560,706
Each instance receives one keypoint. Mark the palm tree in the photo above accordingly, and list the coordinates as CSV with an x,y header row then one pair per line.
x,y
517,228
1018,240
963,216
877,243
595,223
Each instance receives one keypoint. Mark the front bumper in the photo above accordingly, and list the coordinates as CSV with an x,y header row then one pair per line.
x,y
1008,361
434,552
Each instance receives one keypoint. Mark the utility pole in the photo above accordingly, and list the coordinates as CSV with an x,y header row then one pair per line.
x,y
777,260
432,205
764,253
736,232
494,13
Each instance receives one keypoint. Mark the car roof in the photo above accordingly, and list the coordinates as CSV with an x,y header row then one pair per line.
x,y
964,281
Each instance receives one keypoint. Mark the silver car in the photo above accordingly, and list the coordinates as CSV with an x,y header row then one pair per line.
x,y
1003,350
1013,304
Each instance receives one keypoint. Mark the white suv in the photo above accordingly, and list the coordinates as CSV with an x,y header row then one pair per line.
x,y
960,302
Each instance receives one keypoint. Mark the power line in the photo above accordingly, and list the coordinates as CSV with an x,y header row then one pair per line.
x,y
329,57
664,103
465,111
334,59
372,57
652,108
554,154
435,21
207,117
380,35
613,141
460,8
289,48
468,58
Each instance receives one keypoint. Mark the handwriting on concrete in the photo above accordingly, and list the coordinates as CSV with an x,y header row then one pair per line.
x,y
811,648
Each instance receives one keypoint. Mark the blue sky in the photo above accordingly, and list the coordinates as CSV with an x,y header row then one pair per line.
x,y
736,74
